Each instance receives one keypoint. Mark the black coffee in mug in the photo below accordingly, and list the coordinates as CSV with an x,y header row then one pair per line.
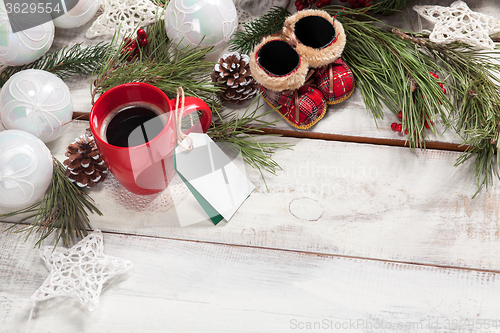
x,y
133,125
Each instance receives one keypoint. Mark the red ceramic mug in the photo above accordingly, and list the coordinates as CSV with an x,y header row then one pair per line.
x,y
145,168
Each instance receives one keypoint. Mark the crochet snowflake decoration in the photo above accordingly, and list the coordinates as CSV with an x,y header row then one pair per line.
x,y
458,23
79,272
128,15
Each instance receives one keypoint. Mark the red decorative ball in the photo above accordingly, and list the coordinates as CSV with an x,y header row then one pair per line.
x,y
400,114
444,91
393,126
143,42
133,44
127,41
141,34
399,128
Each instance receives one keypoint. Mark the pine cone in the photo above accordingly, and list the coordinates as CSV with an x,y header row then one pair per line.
x,y
233,70
85,165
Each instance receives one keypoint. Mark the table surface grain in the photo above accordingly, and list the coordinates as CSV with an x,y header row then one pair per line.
x,y
357,233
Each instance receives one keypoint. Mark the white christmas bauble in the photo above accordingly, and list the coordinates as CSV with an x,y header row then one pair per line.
x,y
38,102
83,12
204,23
25,168
25,46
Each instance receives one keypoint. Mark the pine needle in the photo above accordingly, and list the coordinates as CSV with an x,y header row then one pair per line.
x,y
63,209
268,24
65,62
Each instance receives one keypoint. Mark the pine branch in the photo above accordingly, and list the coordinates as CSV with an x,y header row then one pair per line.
x,y
62,209
239,130
392,72
392,69
64,62
268,24
161,64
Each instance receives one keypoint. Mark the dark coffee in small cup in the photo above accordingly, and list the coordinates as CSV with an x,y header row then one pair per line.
x,y
133,124
142,166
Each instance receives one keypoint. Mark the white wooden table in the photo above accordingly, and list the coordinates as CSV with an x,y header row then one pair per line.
x,y
351,236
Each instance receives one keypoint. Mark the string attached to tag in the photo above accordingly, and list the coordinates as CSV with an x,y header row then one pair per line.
x,y
179,112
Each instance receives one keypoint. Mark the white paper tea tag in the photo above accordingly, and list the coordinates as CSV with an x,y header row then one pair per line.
x,y
215,181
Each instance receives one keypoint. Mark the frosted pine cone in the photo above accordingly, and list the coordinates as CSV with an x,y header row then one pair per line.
x,y
85,165
233,71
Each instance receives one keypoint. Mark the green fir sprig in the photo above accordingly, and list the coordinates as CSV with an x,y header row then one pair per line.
x,y
63,209
268,24
240,130
162,63
65,62
393,72
392,68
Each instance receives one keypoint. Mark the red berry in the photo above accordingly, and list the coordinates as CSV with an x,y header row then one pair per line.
x,y
426,124
393,126
131,57
298,3
130,49
399,128
435,76
440,84
127,41
444,91
406,132
319,5
143,42
141,34
133,45
300,7
400,114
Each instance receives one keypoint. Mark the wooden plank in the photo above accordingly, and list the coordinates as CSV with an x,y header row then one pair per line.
x,y
179,286
344,199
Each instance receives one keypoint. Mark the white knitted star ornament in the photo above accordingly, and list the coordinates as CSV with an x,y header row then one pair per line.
x,y
458,23
79,272
127,15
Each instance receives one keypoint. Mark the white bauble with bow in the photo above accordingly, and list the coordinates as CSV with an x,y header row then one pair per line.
x,y
204,23
25,46
25,168
38,102
82,13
